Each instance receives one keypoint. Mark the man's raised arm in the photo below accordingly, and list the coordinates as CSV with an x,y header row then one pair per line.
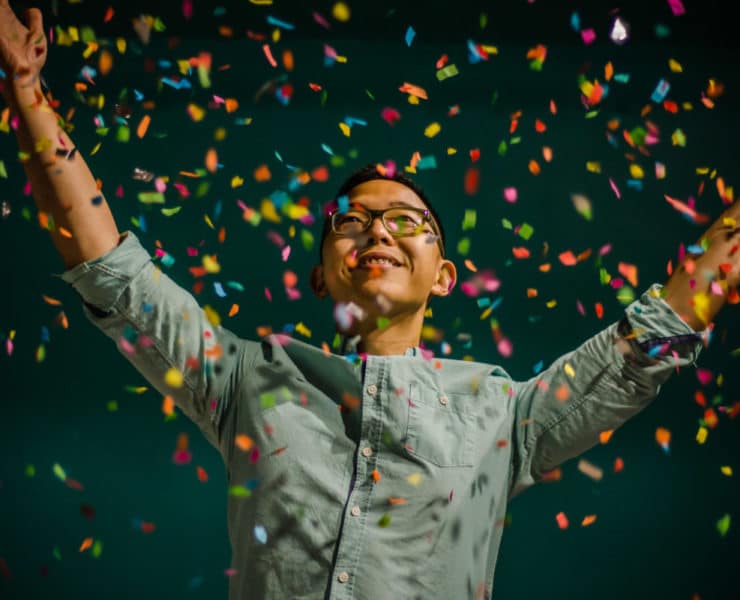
x,y
63,187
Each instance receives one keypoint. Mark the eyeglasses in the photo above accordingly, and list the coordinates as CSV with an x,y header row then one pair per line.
x,y
399,221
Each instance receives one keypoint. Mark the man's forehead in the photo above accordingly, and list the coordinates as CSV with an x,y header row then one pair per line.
x,y
381,193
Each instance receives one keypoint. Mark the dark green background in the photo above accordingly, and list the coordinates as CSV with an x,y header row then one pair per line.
x,y
655,536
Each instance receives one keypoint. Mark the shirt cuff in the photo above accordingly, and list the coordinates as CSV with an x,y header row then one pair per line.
x,y
658,330
101,281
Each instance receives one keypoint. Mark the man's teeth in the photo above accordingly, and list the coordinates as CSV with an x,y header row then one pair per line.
x,y
375,260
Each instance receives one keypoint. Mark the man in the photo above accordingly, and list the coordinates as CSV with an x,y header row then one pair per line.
x,y
378,472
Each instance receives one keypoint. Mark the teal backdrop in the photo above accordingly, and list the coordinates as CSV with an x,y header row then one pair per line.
x,y
85,447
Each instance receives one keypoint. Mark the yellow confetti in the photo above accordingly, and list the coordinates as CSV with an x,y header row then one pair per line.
x,y
415,479
675,66
340,11
345,128
432,129
636,171
213,317
173,378
236,181
303,330
593,166
726,470
210,264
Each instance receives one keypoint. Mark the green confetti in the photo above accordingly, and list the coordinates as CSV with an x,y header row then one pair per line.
x,y
383,322
469,219
56,553
3,172
168,212
463,246
506,224
151,197
97,549
123,134
723,525
625,295
446,72
112,406
384,521
59,472
30,471
307,240
239,491
526,231
267,400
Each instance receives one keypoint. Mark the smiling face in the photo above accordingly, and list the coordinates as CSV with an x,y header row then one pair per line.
x,y
382,274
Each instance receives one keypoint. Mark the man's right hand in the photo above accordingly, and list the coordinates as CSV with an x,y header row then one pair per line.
x,y
22,49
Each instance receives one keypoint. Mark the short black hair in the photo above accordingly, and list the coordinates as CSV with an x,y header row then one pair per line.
x,y
371,172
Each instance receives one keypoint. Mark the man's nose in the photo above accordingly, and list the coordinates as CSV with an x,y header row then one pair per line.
x,y
377,230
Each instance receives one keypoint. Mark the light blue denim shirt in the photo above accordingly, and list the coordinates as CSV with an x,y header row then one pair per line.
x,y
386,477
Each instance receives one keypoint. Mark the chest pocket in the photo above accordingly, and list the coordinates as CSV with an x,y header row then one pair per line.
x,y
441,428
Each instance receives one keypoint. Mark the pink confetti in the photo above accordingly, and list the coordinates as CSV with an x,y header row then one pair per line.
x,y
676,7
285,253
268,294
318,17
562,520
187,9
268,55
505,347
510,194
390,115
704,376
615,189
605,249
579,307
588,36
119,191
717,289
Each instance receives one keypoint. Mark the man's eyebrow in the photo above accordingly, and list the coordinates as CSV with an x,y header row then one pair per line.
x,y
392,203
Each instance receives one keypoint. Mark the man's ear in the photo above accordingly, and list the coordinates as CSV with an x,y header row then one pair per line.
x,y
446,279
317,282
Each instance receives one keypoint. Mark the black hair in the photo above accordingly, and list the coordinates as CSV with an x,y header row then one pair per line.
x,y
371,172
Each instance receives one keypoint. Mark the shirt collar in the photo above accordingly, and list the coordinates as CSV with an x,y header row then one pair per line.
x,y
348,347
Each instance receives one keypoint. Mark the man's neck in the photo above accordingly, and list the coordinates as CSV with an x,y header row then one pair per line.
x,y
403,332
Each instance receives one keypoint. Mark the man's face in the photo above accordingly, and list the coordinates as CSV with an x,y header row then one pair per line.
x,y
348,274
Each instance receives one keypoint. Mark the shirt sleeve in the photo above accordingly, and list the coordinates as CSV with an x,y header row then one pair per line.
x,y
160,328
609,378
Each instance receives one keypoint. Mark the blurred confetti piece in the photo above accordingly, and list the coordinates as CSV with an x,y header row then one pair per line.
x,y
202,475
663,438
590,470
588,520
726,470
723,525
562,520
260,534
243,442
86,543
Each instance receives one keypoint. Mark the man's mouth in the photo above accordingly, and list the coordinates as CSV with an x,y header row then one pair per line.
x,y
377,261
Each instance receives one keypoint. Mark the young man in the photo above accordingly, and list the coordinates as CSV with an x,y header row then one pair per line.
x,y
374,473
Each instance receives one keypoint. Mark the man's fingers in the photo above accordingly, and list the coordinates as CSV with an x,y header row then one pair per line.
x,y
35,21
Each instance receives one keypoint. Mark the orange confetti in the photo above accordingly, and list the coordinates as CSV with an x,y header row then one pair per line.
x,y
588,520
290,279
233,310
662,436
520,252
553,107
109,14
202,475
531,292
212,160
86,543
243,442
562,520
288,60
320,174
567,258
414,90
629,272
562,392
395,501
168,405
608,71
547,153
545,267
539,126
470,266
376,475
605,436
63,321
534,167
143,126
65,232
618,465
105,62
51,301
262,174
231,105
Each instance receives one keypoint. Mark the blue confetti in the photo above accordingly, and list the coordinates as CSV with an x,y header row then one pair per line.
x,y
219,289
661,91
575,21
260,534
410,35
328,150
44,333
278,23
343,203
538,367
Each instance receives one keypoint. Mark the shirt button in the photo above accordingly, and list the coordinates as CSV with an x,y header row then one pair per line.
x,y
343,577
356,511
367,451
444,400
372,389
